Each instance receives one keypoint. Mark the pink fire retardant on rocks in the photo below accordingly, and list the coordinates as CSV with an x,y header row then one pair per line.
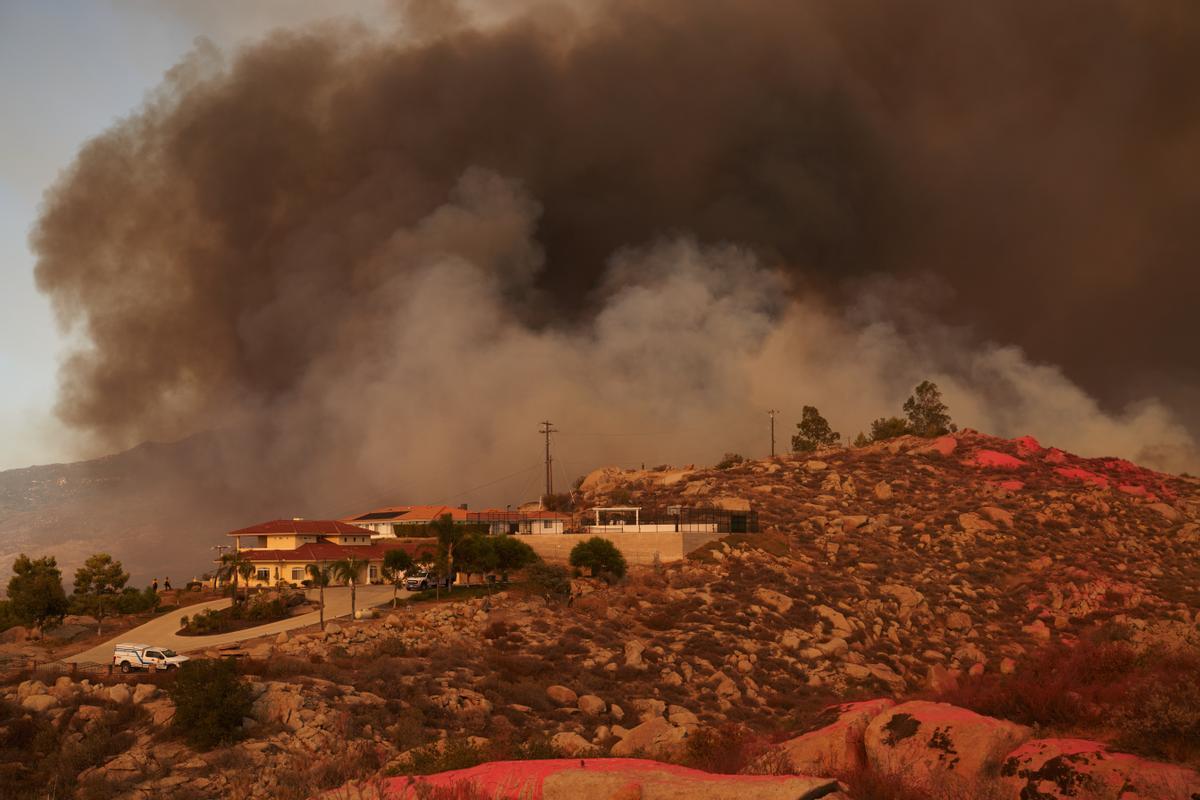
x,y
993,459
1027,446
1080,474
1060,769
575,779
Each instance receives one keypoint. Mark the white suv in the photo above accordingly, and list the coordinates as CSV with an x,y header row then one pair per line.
x,y
144,656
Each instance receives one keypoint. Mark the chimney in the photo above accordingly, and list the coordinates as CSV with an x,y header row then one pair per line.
x,y
462,507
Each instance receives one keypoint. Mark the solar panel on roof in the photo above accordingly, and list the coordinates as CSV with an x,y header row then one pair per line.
x,y
377,515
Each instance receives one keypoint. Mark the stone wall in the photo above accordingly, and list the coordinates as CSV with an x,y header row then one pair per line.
x,y
638,548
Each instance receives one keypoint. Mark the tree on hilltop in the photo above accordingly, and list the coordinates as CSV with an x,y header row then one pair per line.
x,y
814,432
35,591
927,415
100,575
886,428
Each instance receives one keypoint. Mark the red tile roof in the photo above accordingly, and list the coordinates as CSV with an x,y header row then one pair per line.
x,y
311,527
324,551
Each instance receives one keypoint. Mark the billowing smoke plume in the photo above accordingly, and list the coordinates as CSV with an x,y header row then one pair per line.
x,y
389,255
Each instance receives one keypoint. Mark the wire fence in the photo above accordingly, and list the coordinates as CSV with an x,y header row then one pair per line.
x,y
13,666
682,519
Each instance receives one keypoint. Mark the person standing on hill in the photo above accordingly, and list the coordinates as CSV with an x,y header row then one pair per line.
x,y
166,584
154,585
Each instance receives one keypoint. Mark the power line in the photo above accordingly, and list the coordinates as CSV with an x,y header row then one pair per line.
x,y
497,480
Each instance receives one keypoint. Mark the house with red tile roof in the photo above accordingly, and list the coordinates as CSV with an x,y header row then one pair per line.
x,y
281,550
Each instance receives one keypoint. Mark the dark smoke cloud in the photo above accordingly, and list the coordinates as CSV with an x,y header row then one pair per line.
x,y
323,237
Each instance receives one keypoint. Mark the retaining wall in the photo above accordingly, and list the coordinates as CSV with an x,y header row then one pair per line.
x,y
638,548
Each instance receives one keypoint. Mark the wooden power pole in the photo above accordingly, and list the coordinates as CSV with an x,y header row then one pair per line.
x,y
772,414
546,429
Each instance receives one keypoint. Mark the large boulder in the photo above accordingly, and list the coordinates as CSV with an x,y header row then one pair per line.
x,y
625,778
656,738
633,653
776,600
570,744
143,692
464,701
837,747
119,693
40,702
601,480
592,705
279,704
1060,769
26,688
926,743
562,696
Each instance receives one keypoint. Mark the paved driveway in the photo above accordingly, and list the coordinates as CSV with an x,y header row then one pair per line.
x,y
161,630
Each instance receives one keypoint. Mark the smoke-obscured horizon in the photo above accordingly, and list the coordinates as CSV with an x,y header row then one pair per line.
x,y
389,254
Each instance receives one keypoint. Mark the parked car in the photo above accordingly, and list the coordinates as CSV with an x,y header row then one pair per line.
x,y
131,656
420,581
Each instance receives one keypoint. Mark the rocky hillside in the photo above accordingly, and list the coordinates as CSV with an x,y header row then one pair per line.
x,y
961,553
1055,596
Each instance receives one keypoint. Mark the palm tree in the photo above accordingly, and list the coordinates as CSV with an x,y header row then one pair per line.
x,y
320,577
348,569
396,564
233,564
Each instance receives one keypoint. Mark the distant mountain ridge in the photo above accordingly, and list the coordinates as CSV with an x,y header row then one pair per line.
x,y
158,507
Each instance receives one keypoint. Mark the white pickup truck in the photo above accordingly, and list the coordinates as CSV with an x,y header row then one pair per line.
x,y
131,656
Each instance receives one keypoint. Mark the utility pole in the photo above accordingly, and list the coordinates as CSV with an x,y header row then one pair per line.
x,y
546,429
772,414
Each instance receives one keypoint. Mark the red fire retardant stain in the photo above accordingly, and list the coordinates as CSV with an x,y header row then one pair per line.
x,y
1027,446
1055,456
1012,486
992,459
944,445
523,779
1083,475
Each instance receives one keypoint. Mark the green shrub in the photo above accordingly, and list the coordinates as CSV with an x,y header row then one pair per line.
x,y
550,580
1162,719
600,556
131,601
886,428
730,460
210,702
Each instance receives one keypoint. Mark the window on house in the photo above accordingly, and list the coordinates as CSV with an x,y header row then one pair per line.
x,y
547,523
263,574
374,572
297,573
